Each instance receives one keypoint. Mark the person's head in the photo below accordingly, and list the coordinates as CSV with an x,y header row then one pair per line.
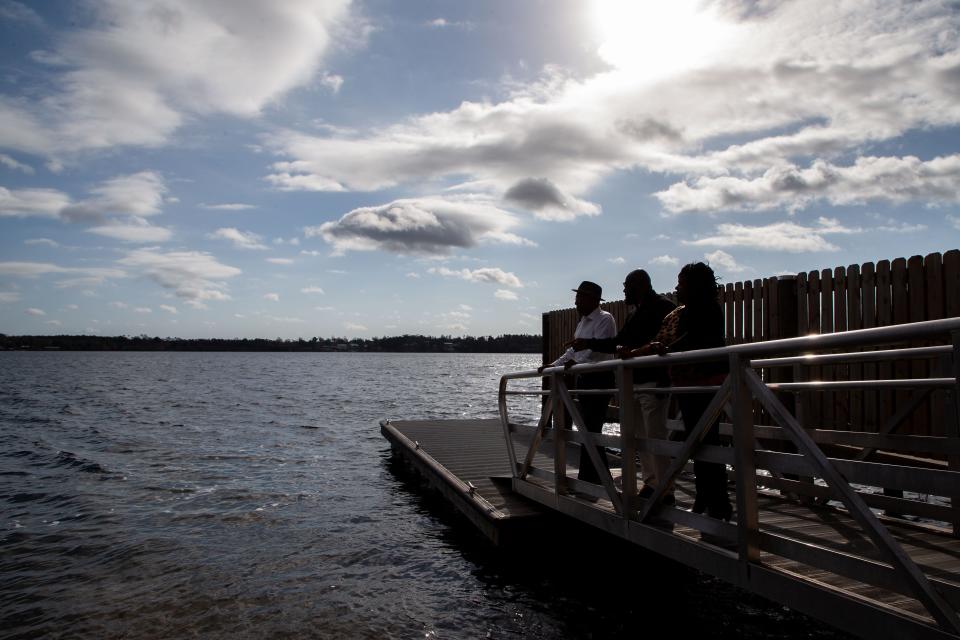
x,y
589,295
635,286
696,284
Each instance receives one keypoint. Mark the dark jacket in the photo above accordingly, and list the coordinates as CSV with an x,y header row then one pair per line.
x,y
639,329
700,328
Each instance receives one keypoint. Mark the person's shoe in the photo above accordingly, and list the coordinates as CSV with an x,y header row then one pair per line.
x,y
721,511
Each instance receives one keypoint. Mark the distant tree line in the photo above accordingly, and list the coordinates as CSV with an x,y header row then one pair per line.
x,y
507,343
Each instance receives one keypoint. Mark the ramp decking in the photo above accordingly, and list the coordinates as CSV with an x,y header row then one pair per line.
x,y
464,458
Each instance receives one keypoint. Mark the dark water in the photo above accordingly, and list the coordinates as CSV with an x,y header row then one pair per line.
x,y
251,495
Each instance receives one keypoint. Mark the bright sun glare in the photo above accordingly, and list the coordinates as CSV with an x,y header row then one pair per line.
x,y
657,38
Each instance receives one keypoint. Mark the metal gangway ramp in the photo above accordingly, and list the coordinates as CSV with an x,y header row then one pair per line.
x,y
809,529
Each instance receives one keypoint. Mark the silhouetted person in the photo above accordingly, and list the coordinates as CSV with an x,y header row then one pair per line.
x,y
698,324
594,323
650,410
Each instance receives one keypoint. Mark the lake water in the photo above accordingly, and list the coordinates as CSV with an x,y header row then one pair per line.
x,y
248,495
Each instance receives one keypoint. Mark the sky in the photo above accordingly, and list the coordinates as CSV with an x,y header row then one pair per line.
x,y
221,168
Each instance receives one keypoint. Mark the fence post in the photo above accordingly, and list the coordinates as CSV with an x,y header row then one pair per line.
x,y
748,521
628,442
952,426
559,435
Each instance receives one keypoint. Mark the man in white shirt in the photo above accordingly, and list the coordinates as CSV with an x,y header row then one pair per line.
x,y
594,323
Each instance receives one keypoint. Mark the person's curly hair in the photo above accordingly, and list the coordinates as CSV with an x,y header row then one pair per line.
x,y
701,283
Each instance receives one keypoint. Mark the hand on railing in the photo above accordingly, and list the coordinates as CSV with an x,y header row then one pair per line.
x,y
625,353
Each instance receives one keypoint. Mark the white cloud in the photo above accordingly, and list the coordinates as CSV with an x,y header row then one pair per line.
x,y
240,239
131,196
54,323
311,289
724,260
504,294
332,81
351,326
493,275
9,296
617,260
789,187
44,241
465,307
275,297
324,308
169,308
788,87
284,319
547,200
11,163
138,71
32,202
143,310
19,12
665,260
32,311
81,276
281,261
955,221
413,274
425,226
195,276
119,305
229,206
780,236
136,230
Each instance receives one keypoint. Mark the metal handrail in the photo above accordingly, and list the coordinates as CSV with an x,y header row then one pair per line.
x,y
748,351
735,396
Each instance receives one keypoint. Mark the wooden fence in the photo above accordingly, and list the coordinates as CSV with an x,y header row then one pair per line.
x,y
827,301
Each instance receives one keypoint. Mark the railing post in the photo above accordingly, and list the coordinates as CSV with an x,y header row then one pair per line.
x,y
952,419
559,435
748,522
628,442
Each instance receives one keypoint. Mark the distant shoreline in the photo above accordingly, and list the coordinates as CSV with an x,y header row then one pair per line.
x,y
520,343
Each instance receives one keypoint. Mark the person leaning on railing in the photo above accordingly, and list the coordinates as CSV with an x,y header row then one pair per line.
x,y
697,324
641,326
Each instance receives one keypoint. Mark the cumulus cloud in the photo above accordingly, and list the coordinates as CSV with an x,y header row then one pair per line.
x,y
9,296
617,260
11,163
789,187
280,261
142,310
32,202
195,276
273,297
139,70
792,85
352,326
135,230
724,261
780,236
666,260
19,12
33,311
169,308
426,226
312,289
117,206
547,200
504,294
240,239
493,275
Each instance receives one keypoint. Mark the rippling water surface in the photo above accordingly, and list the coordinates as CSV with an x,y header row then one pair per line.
x,y
251,495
